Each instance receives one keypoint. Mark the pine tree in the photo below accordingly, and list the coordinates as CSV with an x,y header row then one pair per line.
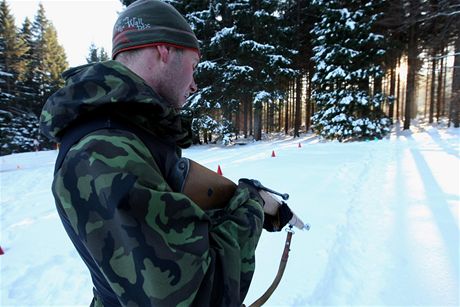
x,y
55,59
268,61
241,68
17,127
210,109
31,63
96,55
5,75
39,78
12,49
347,55
26,86
49,59
19,131
298,21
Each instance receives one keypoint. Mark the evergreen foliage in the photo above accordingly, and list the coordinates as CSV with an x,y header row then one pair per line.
x,y
49,59
31,63
96,54
347,54
26,85
241,67
19,132
264,61
12,49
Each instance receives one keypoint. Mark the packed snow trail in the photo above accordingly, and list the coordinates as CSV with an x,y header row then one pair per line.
x,y
384,217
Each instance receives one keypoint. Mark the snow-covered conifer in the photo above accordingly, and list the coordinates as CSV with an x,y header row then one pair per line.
x,y
347,55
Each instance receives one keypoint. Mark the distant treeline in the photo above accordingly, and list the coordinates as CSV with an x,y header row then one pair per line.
x,y
343,69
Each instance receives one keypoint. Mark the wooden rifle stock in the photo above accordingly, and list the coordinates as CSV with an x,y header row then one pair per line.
x,y
206,188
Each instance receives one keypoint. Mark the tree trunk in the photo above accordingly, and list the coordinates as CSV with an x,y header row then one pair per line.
x,y
411,69
298,106
280,115
427,93
286,114
269,118
266,122
444,84
392,91
439,91
258,121
272,116
237,121
455,115
251,107
205,136
308,104
377,86
432,88
245,117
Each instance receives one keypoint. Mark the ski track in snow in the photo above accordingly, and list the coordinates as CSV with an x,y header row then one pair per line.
x,y
410,243
384,217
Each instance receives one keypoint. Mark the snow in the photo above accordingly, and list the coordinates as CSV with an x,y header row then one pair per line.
x,y
5,74
261,96
255,46
233,71
338,72
224,33
261,13
274,58
384,221
346,100
350,24
207,65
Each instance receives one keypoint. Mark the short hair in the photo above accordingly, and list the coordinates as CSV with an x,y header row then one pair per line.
x,y
129,56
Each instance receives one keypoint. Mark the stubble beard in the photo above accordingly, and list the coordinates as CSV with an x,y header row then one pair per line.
x,y
169,88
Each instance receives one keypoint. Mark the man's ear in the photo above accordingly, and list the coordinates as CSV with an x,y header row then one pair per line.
x,y
164,52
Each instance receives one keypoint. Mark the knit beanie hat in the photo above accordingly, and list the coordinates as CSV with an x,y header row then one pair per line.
x,y
151,22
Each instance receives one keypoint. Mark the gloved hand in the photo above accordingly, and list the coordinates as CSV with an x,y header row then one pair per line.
x,y
276,213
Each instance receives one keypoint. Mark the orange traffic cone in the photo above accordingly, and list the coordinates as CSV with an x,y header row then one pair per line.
x,y
1,251
273,154
219,171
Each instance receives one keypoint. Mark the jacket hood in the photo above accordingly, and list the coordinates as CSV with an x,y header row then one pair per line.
x,y
111,88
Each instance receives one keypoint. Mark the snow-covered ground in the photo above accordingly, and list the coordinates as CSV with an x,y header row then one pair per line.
x,y
384,217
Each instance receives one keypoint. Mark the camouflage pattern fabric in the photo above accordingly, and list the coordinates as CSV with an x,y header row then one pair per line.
x,y
110,86
150,245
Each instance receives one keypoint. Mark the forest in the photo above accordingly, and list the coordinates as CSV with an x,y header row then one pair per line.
x,y
346,70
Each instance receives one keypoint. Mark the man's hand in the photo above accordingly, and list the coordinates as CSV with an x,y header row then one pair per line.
x,y
277,213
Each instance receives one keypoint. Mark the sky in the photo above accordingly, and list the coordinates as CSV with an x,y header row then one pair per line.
x,y
78,23
384,219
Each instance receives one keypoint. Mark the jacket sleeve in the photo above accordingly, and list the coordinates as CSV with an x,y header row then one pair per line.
x,y
154,246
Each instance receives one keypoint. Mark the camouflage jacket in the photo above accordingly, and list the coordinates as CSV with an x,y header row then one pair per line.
x,y
144,244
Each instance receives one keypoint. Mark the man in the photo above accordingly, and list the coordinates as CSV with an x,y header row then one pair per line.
x,y
144,243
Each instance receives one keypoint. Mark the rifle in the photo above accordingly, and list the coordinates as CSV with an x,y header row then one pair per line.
x,y
210,190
